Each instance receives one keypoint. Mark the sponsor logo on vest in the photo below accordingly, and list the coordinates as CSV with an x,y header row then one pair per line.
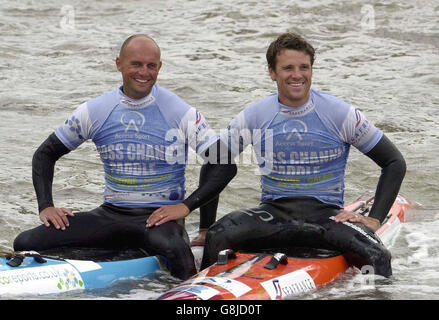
x,y
132,120
294,129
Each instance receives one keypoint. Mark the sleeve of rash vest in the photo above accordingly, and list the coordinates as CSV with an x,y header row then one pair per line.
x,y
217,171
393,168
43,164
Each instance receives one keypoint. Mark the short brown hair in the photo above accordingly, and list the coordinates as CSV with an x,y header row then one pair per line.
x,y
290,41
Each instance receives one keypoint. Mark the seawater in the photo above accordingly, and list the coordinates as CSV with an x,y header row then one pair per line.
x,y
381,56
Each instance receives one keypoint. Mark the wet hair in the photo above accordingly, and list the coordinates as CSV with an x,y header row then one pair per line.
x,y
290,41
128,40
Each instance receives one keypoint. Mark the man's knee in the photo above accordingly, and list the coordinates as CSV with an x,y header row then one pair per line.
x,y
213,231
164,237
372,260
24,242
216,241
381,261
217,237
167,241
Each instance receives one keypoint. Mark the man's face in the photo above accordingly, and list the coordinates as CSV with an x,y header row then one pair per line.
x,y
139,64
293,75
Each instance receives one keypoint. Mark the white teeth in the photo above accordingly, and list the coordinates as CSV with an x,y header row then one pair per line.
x,y
142,81
296,84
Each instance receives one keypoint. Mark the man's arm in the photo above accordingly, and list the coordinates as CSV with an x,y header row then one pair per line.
x,y
208,213
43,164
215,174
393,165
217,171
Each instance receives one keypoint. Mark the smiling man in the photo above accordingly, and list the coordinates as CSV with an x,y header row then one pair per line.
x,y
302,137
142,132
292,71
139,62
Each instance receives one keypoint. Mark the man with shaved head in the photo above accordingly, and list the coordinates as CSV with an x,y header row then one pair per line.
x,y
142,133
138,49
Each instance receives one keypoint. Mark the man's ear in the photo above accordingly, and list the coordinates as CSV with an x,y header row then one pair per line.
x,y
272,73
118,63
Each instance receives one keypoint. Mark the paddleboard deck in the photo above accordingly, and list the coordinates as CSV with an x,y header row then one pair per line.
x,y
279,275
40,275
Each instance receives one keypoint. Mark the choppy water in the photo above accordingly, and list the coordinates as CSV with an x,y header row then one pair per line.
x,y
379,55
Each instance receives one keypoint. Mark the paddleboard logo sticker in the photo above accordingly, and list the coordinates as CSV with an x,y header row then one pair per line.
x,y
69,281
278,289
202,292
293,129
75,126
40,280
237,288
132,120
290,284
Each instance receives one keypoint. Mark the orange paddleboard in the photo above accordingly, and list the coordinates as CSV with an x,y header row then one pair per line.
x,y
265,276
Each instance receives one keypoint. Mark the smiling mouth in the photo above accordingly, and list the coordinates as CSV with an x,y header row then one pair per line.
x,y
141,80
296,84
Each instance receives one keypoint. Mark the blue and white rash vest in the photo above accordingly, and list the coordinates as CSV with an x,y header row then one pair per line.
x,y
143,144
302,151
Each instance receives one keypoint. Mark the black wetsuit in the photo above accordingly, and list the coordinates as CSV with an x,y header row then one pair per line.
x,y
307,222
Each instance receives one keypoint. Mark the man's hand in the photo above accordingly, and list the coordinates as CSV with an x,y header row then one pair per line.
x,y
200,239
56,216
351,216
167,213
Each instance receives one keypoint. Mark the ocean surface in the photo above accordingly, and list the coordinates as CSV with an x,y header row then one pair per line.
x,y
382,56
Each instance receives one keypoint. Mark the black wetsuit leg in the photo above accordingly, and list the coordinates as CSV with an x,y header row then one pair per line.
x,y
236,231
99,227
167,240
295,222
361,245
271,225
113,227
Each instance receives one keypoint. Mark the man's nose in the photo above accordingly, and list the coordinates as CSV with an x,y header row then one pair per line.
x,y
295,73
143,69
